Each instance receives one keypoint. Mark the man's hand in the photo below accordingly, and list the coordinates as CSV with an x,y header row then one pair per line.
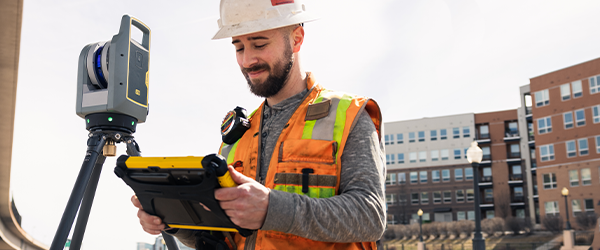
x,y
150,223
245,204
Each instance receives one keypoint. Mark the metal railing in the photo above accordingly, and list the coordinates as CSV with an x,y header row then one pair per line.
x,y
468,246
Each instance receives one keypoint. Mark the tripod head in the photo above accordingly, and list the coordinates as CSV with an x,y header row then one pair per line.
x,y
112,80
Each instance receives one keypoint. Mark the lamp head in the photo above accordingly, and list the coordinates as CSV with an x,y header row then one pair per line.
x,y
420,212
474,153
565,191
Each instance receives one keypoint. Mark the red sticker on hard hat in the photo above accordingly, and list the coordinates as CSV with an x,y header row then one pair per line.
x,y
278,2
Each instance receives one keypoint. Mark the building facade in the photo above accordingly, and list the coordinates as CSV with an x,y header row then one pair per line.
x,y
565,121
529,155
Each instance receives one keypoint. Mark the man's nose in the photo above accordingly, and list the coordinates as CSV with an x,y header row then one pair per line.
x,y
249,59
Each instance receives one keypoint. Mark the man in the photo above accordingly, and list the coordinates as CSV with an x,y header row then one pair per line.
x,y
310,169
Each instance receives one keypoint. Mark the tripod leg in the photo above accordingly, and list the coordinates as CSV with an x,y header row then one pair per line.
x,y
95,144
170,241
86,205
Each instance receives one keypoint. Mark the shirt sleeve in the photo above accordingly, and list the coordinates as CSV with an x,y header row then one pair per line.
x,y
357,214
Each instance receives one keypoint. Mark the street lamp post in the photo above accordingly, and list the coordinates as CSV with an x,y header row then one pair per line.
x,y
420,213
565,193
420,245
474,156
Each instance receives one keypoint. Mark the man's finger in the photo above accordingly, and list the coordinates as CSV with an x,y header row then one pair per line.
x,y
238,177
227,194
136,202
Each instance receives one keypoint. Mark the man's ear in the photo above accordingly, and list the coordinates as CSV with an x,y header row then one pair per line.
x,y
297,38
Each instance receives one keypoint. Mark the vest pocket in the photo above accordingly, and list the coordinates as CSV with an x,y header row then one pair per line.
x,y
307,167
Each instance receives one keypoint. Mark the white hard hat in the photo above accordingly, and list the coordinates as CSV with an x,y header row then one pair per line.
x,y
241,17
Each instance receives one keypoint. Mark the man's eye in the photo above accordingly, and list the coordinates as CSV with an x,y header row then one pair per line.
x,y
239,50
260,46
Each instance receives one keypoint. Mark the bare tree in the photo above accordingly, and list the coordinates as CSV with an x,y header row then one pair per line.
x,y
586,221
553,223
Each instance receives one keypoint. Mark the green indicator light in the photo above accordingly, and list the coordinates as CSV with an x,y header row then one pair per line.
x,y
88,120
132,123
110,119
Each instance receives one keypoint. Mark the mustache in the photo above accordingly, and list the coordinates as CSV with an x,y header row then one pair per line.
x,y
257,67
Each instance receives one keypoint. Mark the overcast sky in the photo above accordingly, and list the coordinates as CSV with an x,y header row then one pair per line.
x,y
417,59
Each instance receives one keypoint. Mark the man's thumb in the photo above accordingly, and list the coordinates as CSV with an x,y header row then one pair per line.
x,y
238,177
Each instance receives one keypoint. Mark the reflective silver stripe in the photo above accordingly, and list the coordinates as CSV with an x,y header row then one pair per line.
x,y
323,129
313,179
226,149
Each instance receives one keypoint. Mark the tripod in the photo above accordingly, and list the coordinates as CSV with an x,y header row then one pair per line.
x,y
106,129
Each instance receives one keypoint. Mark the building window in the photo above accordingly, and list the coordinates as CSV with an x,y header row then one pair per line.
x,y
390,179
389,159
446,175
576,205
595,84
517,174
589,205
455,133
549,181
458,174
421,135
586,177
423,176
515,151
565,91
444,154
520,213
487,174
598,144
486,153
544,125
468,174
596,114
390,199
470,195
433,135
577,91
411,137
412,157
460,195
414,198
435,175
465,154
457,154
583,146
551,207
389,139
460,215
471,215
580,117
401,178
542,98
568,119
484,132
424,198
547,152
400,158
435,155
443,134
489,214
512,129
571,150
466,132
400,138
447,196
422,156
437,197
518,193
391,220
414,177
573,178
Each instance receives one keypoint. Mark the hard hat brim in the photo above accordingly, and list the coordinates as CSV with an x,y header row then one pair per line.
x,y
262,25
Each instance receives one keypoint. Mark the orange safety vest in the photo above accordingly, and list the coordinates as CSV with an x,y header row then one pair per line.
x,y
314,138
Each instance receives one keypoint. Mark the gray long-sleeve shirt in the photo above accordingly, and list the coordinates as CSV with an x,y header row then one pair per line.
x,y
356,215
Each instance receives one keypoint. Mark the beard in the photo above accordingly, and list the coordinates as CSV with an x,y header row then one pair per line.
x,y
278,75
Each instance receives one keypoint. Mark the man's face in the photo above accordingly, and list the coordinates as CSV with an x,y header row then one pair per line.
x,y
265,59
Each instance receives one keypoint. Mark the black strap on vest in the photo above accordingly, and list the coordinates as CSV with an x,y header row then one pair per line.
x,y
305,173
